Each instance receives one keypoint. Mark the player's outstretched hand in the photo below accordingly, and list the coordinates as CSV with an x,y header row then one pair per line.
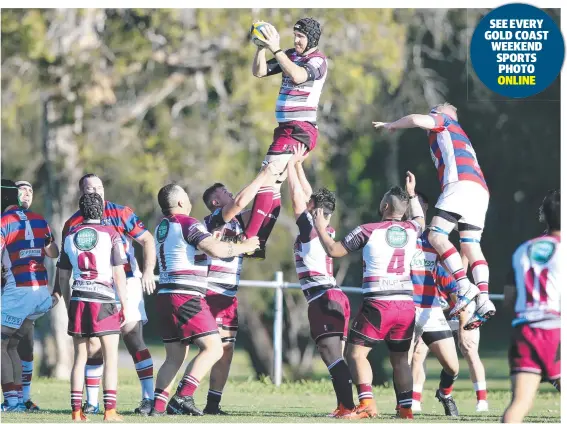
x,y
272,37
321,223
410,183
299,154
386,125
251,244
148,283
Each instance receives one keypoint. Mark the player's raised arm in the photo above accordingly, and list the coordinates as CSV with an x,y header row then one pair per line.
x,y
266,176
334,249
415,210
51,248
259,64
299,197
415,120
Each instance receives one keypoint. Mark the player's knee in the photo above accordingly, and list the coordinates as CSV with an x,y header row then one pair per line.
x,y
94,348
437,239
353,354
213,347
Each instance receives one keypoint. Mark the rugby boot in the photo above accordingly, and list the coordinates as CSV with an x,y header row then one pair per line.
x,y
334,413
365,409
30,406
464,297
482,406
448,404
210,410
405,414
484,311
416,406
90,409
342,412
112,415
183,405
145,407
78,416
155,413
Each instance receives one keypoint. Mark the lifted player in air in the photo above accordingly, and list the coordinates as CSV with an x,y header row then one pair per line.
x,y
184,314
130,228
388,311
535,349
25,241
229,221
462,204
304,70
329,308
93,257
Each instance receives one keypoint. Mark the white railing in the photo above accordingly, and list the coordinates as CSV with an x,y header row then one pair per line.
x,y
279,285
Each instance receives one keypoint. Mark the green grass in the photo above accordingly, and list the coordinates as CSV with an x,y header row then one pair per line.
x,y
305,401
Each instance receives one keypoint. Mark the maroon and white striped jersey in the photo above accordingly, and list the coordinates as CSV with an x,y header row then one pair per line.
x,y
314,267
538,288
224,274
388,248
91,250
177,237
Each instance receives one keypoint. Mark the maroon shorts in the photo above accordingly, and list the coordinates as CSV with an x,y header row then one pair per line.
x,y
536,350
224,310
390,320
184,317
290,134
329,314
92,319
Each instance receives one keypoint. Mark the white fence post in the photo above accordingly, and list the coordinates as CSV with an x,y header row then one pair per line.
x,y
278,329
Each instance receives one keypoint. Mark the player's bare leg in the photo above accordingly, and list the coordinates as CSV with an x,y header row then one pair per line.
x,y
219,373
439,239
524,390
403,381
25,350
110,377
361,372
210,351
78,377
93,375
418,373
446,353
133,336
331,351
175,354
470,247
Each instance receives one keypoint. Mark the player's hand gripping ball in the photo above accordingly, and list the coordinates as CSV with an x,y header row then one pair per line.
x,y
256,35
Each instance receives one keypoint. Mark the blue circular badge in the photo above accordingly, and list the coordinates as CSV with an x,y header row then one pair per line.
x,y
517,50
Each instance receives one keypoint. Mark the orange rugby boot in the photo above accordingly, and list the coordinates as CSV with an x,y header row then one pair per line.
x,y
405,414
112,415
78,416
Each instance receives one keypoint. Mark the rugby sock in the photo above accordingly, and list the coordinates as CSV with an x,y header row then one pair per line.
x,y
405,399
480,275
187,386
557,384
260,209
213,399
10,394
454,264
446,383
93,375
109,397
20,393
342,382
161,398
480,389
416,394
364,391
27,371
76,400
145,369
270,220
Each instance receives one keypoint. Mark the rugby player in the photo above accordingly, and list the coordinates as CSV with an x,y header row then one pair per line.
x,y
462,204
184,314
304,70
329,307
535,349
130,228
388,311
93,256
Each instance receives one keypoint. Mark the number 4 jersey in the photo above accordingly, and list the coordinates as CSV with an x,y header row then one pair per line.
x,y
388,248
91,250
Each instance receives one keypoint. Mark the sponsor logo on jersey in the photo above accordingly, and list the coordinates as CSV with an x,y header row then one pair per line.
x,y
420,262
541,251
26,253
162,230
86,239
396,237
9,319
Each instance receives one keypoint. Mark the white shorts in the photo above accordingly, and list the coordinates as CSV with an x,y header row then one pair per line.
x,y
19,303
429,320
467,199
135,307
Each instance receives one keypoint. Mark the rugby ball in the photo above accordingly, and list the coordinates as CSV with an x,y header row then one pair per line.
x,y
256,35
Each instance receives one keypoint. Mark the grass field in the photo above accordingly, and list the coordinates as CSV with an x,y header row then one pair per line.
x,y
306,401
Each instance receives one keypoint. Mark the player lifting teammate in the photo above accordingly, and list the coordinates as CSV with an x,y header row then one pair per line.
x,y
229,221
535,350
329,308
184,314
93,257
130,228
388,311
462,204
304,70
